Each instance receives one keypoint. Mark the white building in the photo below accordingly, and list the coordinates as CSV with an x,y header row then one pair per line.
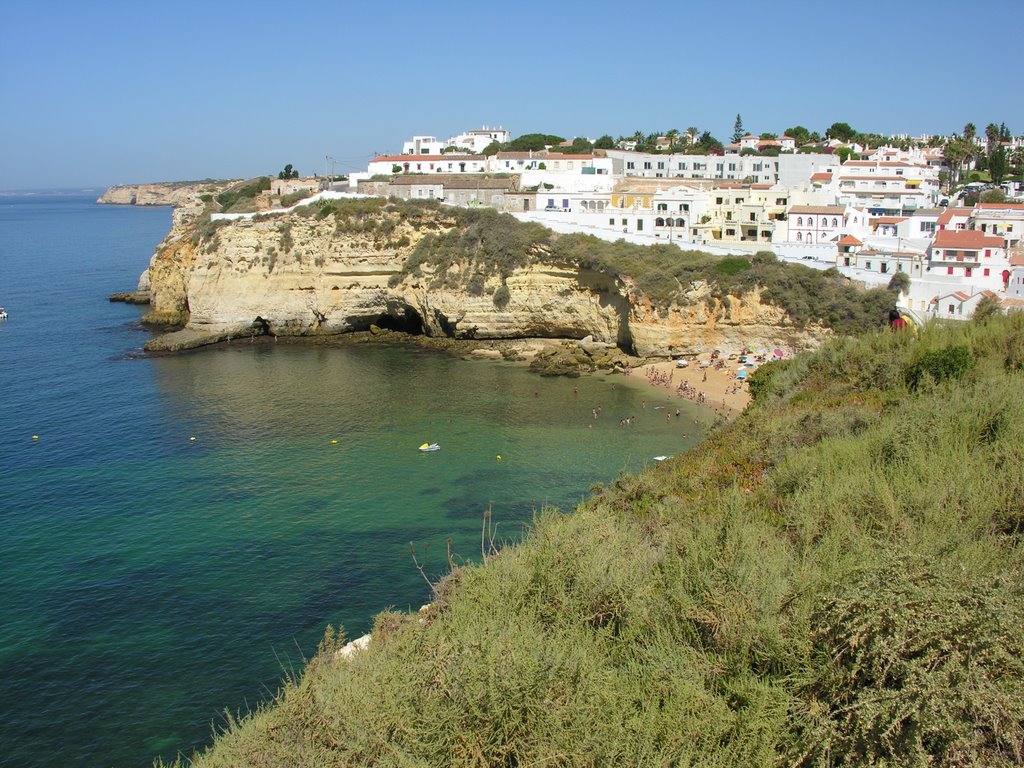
x,y
1015,285
1006,220
819,224
970,258
474,141
477,140
956,305
386,165
787,169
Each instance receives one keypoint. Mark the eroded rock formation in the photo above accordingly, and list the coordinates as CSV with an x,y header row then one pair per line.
x,y
306,275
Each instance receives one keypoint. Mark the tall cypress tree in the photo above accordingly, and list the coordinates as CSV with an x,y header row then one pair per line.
x,y
737,129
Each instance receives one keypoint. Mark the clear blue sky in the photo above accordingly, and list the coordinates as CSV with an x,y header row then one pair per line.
x,y
98,92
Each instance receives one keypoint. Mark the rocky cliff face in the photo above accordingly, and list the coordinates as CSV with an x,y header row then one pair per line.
x,y
167,193
293,275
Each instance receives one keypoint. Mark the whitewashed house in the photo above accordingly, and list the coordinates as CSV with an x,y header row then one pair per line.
x,y
971,258
447,163
1005,220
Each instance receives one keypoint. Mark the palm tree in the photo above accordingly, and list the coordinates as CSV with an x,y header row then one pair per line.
x,y
955,152
991,137
692,132
673,139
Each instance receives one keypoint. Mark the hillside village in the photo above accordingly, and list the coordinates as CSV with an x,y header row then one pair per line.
x,y
869,212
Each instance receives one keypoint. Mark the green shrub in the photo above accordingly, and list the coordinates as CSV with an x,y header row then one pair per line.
x,y
475,286
732,266
915,664
285,242
242,193
939,365
501,296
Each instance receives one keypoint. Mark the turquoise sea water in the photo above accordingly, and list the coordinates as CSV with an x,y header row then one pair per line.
x,y
148,582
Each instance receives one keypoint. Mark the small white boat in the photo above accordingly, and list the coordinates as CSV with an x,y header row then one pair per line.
x,y
427,447
3,313
682,362
661,458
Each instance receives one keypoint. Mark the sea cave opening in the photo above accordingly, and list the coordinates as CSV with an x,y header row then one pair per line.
x,y
403,319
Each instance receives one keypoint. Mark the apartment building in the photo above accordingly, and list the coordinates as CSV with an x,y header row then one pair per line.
x,y
786,169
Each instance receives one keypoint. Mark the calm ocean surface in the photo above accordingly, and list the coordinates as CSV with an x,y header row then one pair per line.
x,y
148,582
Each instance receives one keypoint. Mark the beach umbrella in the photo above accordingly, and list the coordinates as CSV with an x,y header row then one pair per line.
x,y
777,352
741,375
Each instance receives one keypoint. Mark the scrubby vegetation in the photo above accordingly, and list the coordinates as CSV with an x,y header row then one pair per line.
x,y
835,579
239,198
489,243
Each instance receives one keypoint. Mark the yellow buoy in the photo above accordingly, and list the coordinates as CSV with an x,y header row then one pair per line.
x,y
334,442
498,457
35,437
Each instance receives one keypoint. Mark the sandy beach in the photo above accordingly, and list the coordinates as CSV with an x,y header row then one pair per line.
x,y
719,388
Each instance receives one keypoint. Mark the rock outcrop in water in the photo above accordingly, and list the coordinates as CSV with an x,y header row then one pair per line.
x,y
302,275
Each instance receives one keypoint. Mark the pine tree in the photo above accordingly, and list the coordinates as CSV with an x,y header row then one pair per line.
x,y
737,129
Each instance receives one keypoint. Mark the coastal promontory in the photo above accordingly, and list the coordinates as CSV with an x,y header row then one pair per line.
x,y
162,193
334,266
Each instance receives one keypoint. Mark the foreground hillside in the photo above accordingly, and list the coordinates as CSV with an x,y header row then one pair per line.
x,y
834,579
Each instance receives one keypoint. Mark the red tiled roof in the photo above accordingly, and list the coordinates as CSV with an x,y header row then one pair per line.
x,y
1000,206
947,216
969,239
888,219
849,240
1017,260
823,176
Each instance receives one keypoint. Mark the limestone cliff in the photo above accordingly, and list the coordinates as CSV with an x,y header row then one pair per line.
x,y
164,193
307,275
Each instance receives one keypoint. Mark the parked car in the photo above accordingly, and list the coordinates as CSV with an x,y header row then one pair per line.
x,y
557,208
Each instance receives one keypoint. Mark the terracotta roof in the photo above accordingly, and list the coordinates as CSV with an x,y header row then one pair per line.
x,y
823,176
969,239
829,209
1017,260
998,206
849,240
950,213
888,219
560,156
961,295
761,186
